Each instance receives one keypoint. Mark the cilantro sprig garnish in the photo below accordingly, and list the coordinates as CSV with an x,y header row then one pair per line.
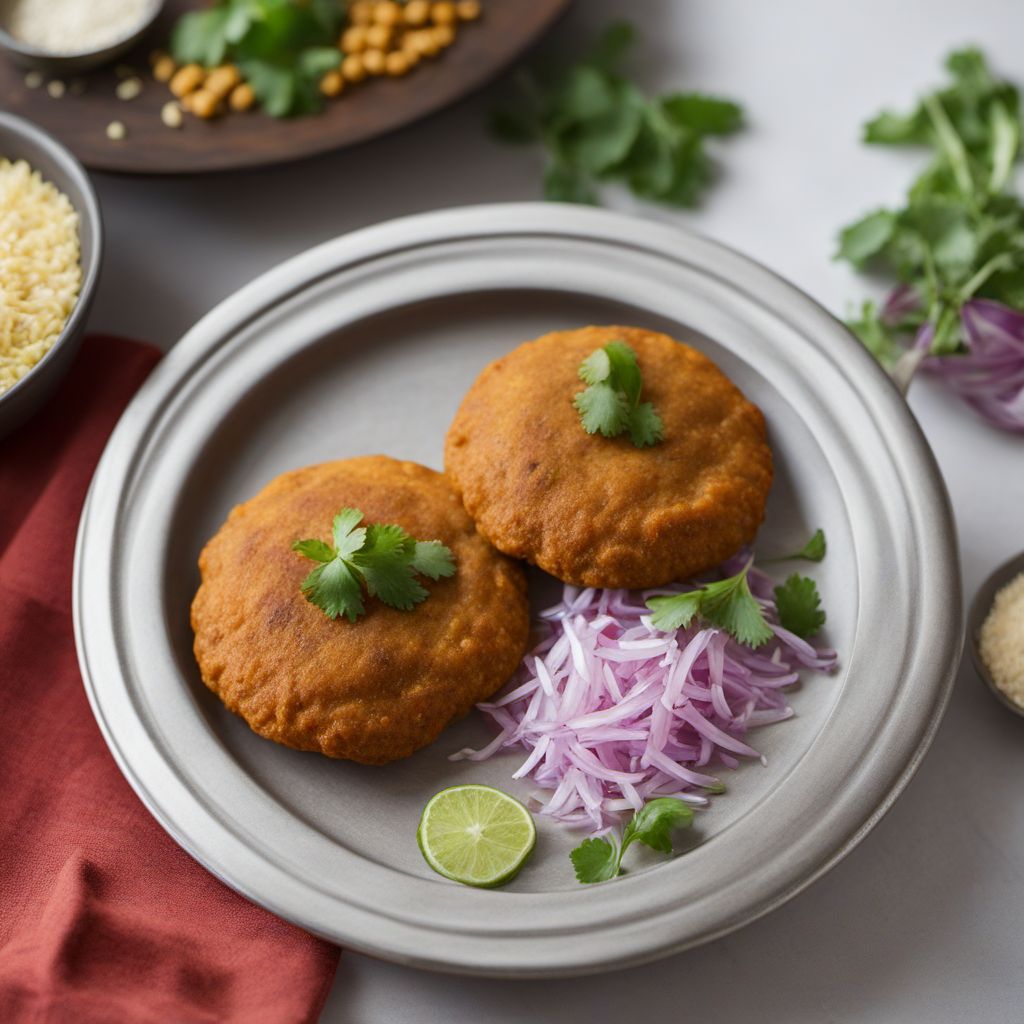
x,y
730,605
611,404
960,233
598,860
812,551
282,48
381,557
598,126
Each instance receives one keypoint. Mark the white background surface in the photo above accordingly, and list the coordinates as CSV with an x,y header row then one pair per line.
x,y
924,922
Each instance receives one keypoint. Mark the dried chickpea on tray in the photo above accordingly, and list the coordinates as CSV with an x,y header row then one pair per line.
x,y
218,61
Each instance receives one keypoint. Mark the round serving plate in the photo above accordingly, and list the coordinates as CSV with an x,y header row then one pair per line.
x,y
79,118
366,344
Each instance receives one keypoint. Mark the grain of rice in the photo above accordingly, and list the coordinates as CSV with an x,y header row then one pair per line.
x,y
40,275
1002,640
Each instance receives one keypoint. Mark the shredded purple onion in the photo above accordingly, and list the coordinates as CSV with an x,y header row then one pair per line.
x,y
989,376
614,712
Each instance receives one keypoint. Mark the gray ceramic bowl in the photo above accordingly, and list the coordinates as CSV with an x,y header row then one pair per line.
x,y
74,63
980,607
20,139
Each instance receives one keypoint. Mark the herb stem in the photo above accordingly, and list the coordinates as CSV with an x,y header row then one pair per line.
x,y
954,147
1001,261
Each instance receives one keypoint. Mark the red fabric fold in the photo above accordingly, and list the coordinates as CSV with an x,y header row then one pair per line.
x,y
103,917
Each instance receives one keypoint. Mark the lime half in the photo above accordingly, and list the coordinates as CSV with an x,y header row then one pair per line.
x,y
476,835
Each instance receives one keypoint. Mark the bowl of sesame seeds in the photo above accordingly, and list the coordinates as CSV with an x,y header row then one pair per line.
x,y
51,247
68,36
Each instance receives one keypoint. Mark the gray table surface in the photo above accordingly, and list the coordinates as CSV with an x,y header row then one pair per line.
x,y
925,920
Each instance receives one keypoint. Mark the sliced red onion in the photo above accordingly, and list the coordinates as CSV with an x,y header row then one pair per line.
x,y
989,376
613,712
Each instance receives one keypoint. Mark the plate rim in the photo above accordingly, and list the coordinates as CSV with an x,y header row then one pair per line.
x,y
541,219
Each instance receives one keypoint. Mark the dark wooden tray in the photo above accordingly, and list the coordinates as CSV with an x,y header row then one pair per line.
x,y
483,49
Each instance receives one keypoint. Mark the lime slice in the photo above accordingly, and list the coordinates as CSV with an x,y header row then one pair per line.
x,y
476,835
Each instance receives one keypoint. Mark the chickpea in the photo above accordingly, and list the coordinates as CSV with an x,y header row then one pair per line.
x,y
416,12
468,10
204,103
410,52
378,37
443,13
220,81
353,40
187,79
387,12
444,35
373,61
332,83
396,64
164,68
353,68
361,13
427,45
242,97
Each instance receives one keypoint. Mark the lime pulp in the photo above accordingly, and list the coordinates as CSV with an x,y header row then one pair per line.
x,y
476,835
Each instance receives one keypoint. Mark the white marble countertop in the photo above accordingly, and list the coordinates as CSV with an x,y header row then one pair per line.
x,y
924,921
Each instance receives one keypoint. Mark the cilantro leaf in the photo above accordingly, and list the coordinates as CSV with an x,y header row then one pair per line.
x,y
433,559
595,860
317,550
611,404
675,612
598,126
866,237
652,825
960,232
813,551
599,860
603,409
799,606
727,603
381,557
730,605
706,115
333,587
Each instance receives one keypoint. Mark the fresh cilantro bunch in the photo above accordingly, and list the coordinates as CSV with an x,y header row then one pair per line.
x,y
598,126
960,233
383,558
282,47
729,604
610,404
598,860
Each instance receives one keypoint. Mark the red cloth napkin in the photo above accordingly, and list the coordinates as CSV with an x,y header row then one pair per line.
x,y
102,917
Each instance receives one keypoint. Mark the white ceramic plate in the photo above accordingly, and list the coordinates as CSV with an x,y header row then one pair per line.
x,y
366,344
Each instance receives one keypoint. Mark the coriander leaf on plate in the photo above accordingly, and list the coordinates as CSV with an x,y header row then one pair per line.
x,y
813,551
652,825
603,410
799,606
600,860
677,611
611,404
333,587
730,605
431,558
727,604
381,557
645,426
595,860
348,539
317,550
200,37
